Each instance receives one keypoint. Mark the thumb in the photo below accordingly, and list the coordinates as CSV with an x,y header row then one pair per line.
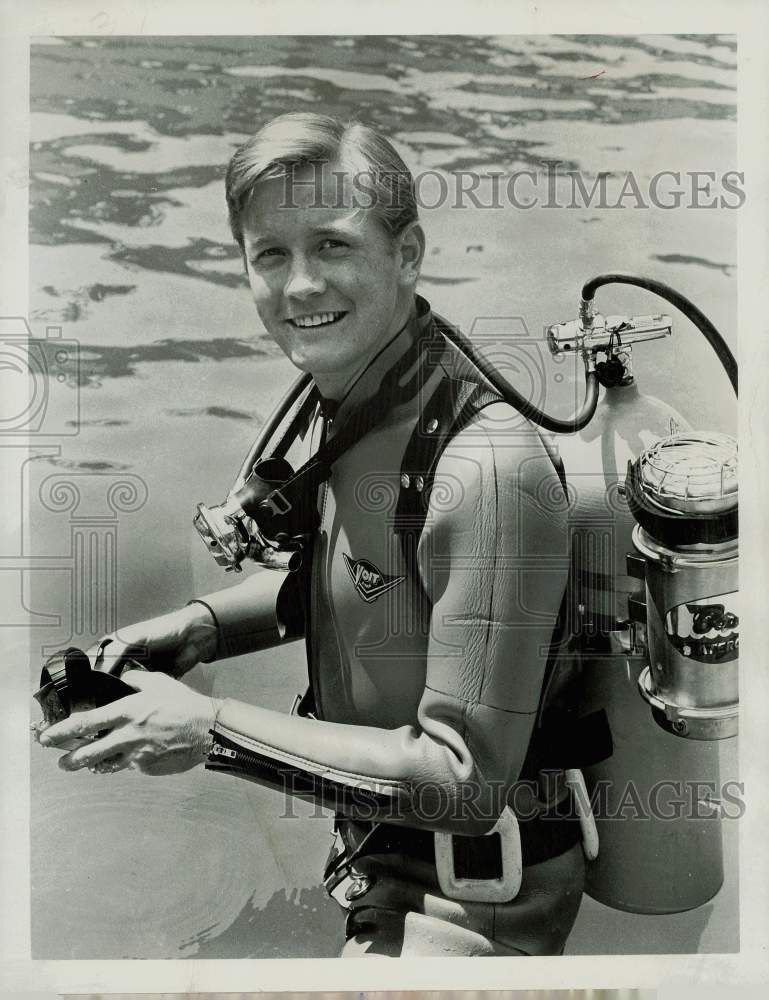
x,y
111,653
144,680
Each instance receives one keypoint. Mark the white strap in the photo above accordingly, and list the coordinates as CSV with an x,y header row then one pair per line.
x,y
576,782
486,890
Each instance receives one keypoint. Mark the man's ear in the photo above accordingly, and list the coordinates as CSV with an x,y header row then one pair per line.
x,y
411,246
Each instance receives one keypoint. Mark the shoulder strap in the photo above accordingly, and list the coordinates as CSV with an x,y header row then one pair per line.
x,y
460,395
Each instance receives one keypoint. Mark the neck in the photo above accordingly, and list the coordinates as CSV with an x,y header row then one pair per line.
x,y
336,385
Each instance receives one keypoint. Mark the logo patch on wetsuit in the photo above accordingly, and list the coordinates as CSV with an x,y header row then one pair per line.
x,y
368,580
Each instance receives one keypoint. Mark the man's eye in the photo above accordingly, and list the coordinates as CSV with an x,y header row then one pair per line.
x,y
266,256
330,244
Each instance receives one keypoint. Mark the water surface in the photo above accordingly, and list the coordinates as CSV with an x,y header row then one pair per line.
x,y
132,258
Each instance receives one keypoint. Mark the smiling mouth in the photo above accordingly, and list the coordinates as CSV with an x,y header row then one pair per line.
x,y
316,319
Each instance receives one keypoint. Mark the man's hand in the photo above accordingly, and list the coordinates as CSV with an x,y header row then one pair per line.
x,y
171,644
162,729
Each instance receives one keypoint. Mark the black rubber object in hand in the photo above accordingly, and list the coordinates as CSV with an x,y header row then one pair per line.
x,y
69,684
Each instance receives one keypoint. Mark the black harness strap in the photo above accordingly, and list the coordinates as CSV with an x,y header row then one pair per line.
x,y
298,421
459,397
451,407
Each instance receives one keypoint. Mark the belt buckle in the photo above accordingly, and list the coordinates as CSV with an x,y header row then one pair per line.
x,y
483,890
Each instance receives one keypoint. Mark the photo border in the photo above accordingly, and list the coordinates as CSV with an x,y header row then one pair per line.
x,y
749,21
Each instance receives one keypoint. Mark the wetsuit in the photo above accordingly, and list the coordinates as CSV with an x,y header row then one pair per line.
x,y
426,669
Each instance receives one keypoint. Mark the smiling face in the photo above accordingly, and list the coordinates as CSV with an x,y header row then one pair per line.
x,y
330,284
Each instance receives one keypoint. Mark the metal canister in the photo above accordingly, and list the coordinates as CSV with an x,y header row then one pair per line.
x,y
684,498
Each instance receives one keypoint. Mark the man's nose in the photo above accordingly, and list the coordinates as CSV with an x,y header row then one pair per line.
x,y
304,280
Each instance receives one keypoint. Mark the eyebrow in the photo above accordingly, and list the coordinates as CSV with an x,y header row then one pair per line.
x,y
338,230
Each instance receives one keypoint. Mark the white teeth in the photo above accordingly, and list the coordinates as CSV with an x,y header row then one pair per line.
x,y
317,319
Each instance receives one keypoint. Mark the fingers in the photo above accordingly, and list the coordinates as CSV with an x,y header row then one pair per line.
x,y
112,764
84,724
107,749
37,729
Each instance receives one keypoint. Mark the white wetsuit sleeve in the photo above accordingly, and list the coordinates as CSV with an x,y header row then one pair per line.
x,y
262,611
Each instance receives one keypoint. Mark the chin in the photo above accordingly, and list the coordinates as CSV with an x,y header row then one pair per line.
x,y
316,363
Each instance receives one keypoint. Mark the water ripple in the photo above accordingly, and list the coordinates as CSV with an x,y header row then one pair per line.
x,y
456,103
99,361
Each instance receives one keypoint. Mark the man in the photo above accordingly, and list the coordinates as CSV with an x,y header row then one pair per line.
x,y
432,592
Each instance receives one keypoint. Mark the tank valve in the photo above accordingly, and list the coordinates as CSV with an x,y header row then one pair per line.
x,y
593,332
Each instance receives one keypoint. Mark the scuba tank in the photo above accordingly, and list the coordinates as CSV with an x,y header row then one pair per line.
x,y
627,621
646,555
654,856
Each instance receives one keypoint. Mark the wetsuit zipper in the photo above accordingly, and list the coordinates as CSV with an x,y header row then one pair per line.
x,y
229,756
